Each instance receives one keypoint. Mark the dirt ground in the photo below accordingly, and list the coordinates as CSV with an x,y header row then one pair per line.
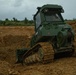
x,y
12,38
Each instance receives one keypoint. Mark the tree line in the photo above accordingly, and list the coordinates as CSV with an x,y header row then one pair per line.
x,y
25,22
16,22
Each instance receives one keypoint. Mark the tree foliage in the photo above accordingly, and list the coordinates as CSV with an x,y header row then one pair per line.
x,y
25,20
16,22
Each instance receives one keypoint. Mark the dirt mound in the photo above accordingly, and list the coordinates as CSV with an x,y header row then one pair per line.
x,y
15,35
4,67
12,38
73,24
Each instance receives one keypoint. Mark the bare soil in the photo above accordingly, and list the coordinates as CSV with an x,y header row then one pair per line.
x,y
14,37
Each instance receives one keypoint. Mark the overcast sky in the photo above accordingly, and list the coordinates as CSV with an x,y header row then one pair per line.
x,y
26,8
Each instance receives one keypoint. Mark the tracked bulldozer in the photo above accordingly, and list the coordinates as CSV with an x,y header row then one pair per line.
x,y
53,36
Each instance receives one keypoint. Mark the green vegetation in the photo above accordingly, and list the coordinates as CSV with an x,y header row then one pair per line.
x,y
16,22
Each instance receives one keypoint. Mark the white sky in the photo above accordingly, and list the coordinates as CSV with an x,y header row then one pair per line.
x,y
26,8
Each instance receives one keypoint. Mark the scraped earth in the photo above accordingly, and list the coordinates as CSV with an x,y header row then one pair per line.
x,y
12,38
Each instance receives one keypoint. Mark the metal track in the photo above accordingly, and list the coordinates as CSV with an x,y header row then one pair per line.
x,y
44,54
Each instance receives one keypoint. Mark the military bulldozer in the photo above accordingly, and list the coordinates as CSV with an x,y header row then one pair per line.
x,y
52,36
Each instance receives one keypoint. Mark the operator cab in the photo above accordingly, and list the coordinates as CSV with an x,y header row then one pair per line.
x,y
48,13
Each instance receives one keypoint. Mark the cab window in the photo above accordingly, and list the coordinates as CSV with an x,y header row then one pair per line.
x,y
38,20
